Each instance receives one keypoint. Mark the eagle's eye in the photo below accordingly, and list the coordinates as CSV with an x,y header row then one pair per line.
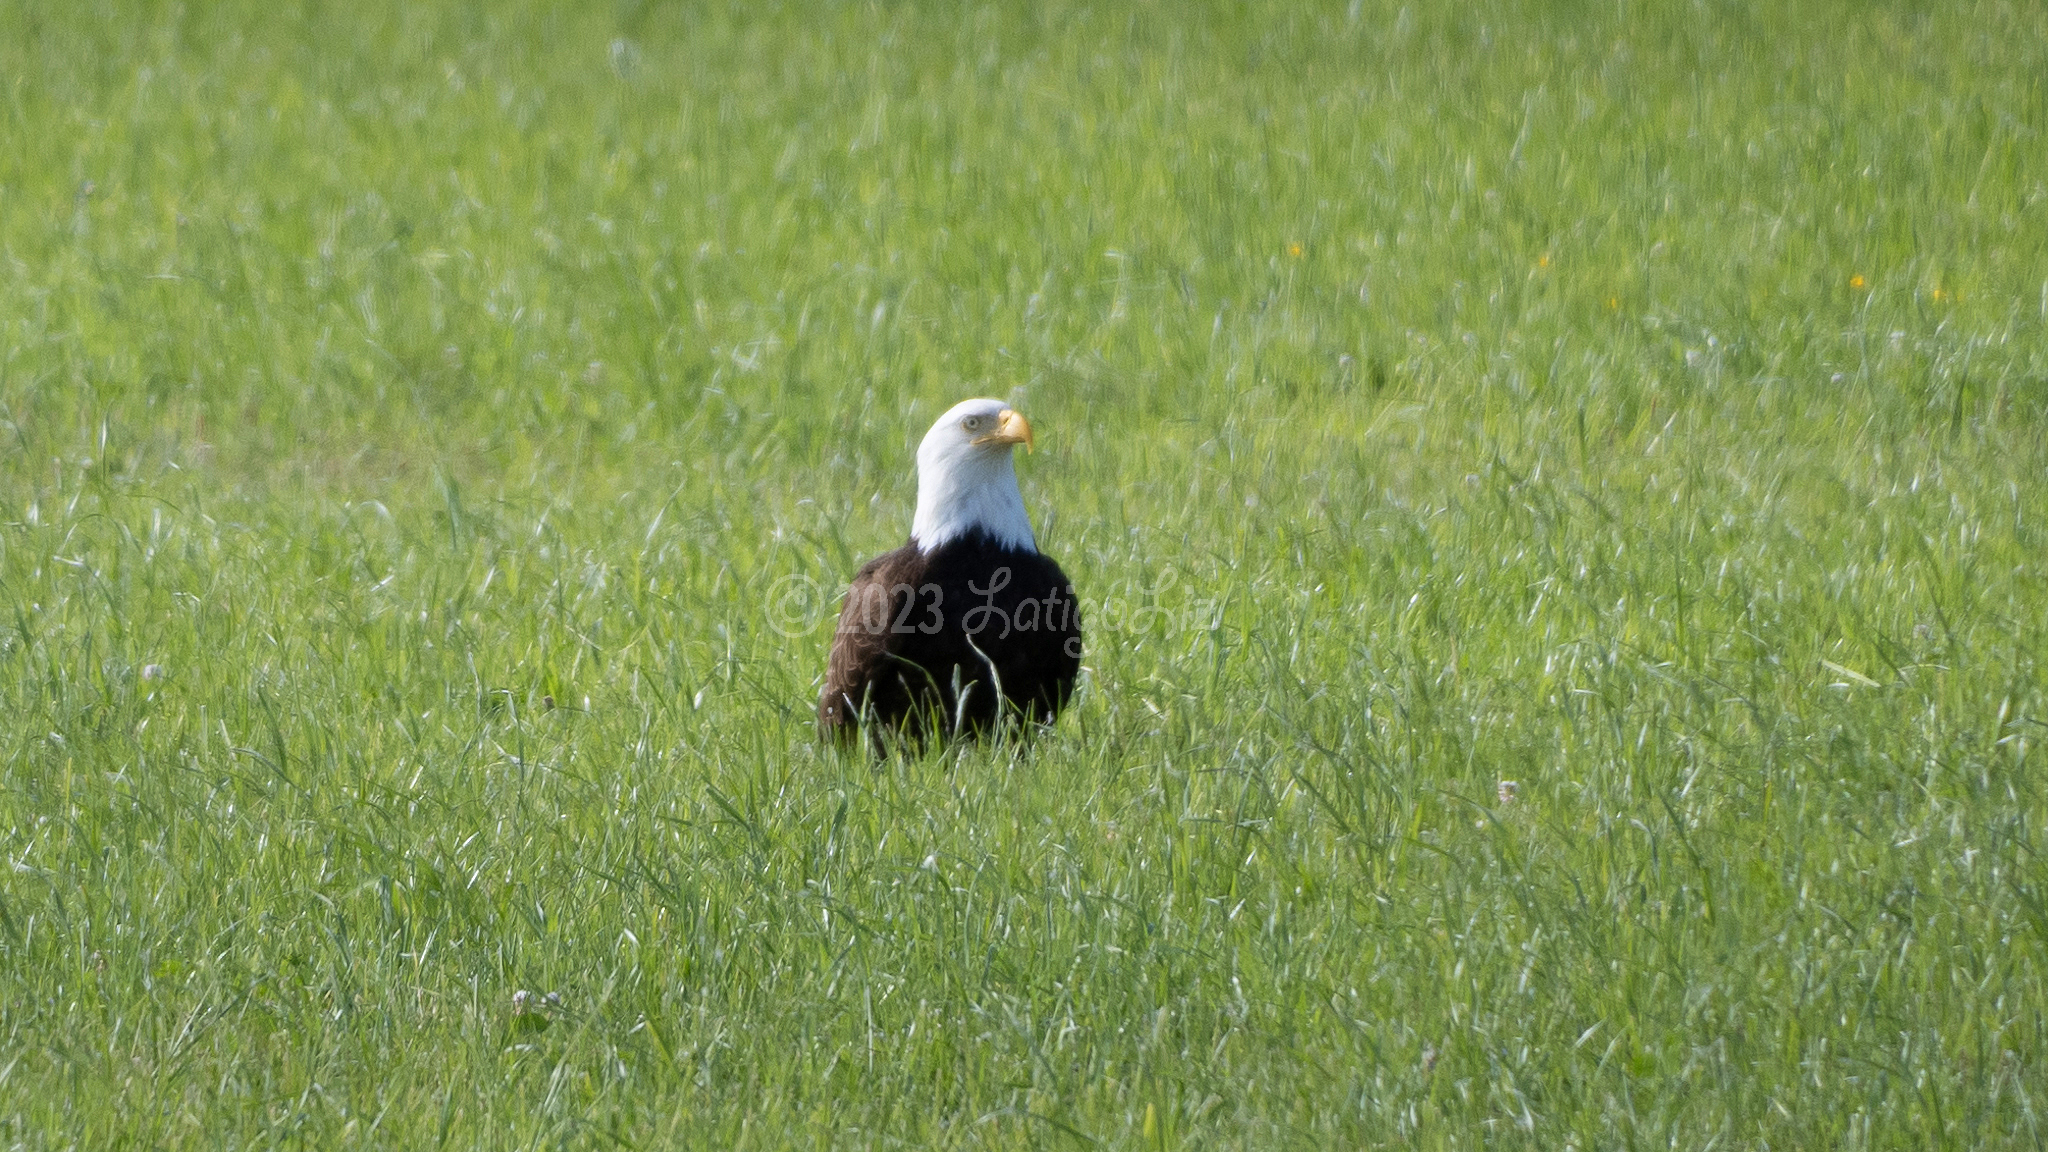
x,y
974,423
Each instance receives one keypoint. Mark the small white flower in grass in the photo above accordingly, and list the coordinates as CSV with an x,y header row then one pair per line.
x,y
152,671
1507,790
524,1002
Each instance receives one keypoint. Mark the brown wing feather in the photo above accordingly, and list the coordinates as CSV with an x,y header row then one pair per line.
x,y
858,672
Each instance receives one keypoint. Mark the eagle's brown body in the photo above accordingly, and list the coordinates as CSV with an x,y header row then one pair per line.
x,y
927,641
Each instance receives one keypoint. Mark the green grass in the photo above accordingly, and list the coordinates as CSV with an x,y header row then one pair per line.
x,y
1644,403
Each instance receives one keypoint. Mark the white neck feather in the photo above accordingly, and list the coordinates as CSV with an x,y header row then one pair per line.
x,y
958,492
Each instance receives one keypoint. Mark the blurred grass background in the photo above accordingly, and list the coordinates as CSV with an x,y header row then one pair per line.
x,y
417,416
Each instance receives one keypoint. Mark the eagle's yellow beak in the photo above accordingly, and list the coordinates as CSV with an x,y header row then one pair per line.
x,y
1011,428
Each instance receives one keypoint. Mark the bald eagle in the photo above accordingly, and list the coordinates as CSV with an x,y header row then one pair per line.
x,y
968,624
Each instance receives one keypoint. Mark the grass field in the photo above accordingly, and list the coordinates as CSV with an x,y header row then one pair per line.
x,y
431,435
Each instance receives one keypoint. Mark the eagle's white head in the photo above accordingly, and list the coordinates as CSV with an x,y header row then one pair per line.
x,y
965,480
